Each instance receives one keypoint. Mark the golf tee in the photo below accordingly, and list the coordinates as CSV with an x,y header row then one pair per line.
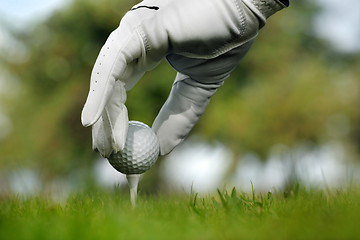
x,y
133,181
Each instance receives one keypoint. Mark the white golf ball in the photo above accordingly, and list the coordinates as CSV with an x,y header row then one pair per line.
x,y
140,152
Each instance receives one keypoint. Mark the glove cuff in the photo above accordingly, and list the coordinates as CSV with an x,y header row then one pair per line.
x,y
265,8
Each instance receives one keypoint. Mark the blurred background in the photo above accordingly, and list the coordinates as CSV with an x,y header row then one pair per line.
x,y
288,114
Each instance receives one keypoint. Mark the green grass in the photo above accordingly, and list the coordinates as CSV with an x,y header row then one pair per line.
x,y
300,214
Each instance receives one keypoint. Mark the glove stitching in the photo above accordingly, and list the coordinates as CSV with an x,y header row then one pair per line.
x,y
241,18
145,41
267,7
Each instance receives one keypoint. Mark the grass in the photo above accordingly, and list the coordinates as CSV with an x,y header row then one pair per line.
x,y
299,214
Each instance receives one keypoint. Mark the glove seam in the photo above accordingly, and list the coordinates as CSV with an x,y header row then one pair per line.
x,y
241,18
145,41
234,42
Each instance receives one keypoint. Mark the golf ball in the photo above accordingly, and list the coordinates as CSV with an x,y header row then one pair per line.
x,y
140,152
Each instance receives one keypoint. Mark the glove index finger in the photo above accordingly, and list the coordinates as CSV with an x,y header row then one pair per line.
x,y
93,107
100,91
109,65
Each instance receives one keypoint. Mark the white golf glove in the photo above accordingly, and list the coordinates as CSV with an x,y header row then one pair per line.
x,y
202,39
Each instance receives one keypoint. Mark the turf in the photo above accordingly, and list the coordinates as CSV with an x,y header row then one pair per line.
x,y
299,214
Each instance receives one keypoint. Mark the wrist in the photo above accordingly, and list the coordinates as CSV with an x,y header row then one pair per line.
x,y
266,8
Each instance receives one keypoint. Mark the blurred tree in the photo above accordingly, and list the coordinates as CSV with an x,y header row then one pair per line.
x,y
290,89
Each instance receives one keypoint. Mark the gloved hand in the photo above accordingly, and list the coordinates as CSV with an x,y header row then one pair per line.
x,y
202,39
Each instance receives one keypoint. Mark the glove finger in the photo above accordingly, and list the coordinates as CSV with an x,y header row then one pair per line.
x,y
186,103
120,50
117,115
110,130
109,64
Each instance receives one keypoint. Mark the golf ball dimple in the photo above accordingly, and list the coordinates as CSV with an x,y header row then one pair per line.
x,y
140,152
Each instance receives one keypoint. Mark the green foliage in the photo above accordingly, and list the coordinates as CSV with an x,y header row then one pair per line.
x,y
306,214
